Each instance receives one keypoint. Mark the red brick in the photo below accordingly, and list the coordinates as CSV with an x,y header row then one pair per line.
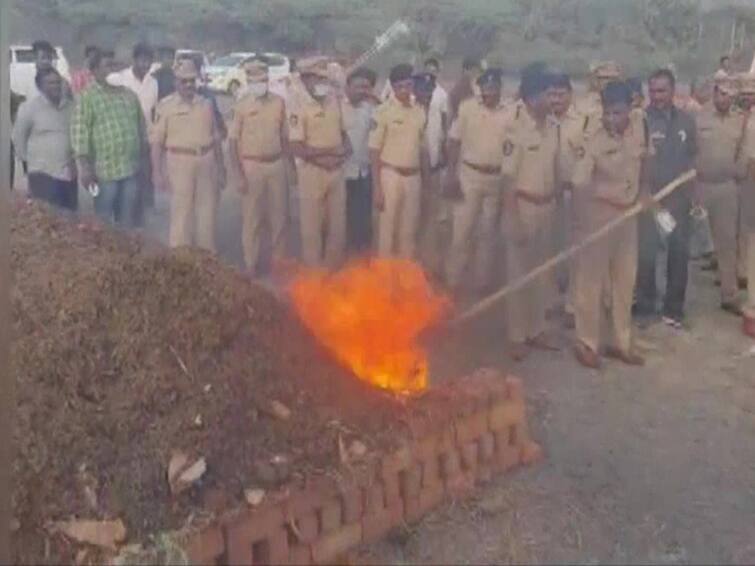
x,y
239,548
470,454
278,550
431,472
428,499
460,485
426,448
392,486
505,414
411,482
487,447
515,388
331,516
248,529
330,547
450,464
484,473
374,499
397,461
306,529
301,555
507,458
531,453
353,504
472,427
446,438
303,501
375,525
206,546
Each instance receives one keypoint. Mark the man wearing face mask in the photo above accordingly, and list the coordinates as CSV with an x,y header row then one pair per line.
x,y
608,181
400,166
257,145
319,141
530,149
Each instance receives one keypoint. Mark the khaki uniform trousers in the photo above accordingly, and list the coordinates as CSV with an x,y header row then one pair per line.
x,y
399,219
267,197
434,229
526,308
744,225
721,201
606,266
322,215
747,214
475,217
194,199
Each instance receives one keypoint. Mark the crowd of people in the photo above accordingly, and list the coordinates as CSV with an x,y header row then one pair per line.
x,y
454,180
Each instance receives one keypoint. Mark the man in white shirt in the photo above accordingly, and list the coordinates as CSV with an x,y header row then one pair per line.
x,y
138,79
435,223
357,108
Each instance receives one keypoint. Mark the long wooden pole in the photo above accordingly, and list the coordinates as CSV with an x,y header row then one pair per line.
x,y
488,302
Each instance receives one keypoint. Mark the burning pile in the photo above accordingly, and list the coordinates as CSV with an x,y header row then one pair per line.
x,y
370,315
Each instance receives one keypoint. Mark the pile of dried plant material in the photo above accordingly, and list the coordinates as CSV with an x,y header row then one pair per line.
x,y
131,359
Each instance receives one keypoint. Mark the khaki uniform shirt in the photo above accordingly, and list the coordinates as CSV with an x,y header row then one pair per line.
x,y
480,130
184,125
317,124
257,125
718,136
608,168
398,133
571,137
529,158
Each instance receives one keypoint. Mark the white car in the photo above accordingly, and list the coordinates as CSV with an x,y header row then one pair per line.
x,y
220,75
23,69
230,77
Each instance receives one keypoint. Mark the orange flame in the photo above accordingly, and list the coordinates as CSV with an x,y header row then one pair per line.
x,y
369,315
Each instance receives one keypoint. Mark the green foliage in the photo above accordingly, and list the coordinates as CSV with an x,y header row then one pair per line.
x,y
569,33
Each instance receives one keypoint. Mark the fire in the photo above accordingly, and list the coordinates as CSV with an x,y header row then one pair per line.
x,y
369,315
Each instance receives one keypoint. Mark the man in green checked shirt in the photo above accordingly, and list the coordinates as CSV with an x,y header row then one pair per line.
x,y
109,140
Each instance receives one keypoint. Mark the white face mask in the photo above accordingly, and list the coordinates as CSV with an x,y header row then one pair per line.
x,y
322,90
258,90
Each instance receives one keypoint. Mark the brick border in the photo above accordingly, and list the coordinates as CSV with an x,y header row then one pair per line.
x,y
484,434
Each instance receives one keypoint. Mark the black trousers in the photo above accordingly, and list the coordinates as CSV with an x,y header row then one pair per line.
x,y
676,265
63,194
359,214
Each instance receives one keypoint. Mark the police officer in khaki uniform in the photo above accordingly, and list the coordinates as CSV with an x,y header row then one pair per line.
x,y
187,160
607,182
747,206
590,105
400,166
530,150
474,178
746,83
721,163
257,144
570,127
318,139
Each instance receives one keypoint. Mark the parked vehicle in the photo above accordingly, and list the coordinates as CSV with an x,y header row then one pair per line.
x,y
220,76
23,70
228,75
